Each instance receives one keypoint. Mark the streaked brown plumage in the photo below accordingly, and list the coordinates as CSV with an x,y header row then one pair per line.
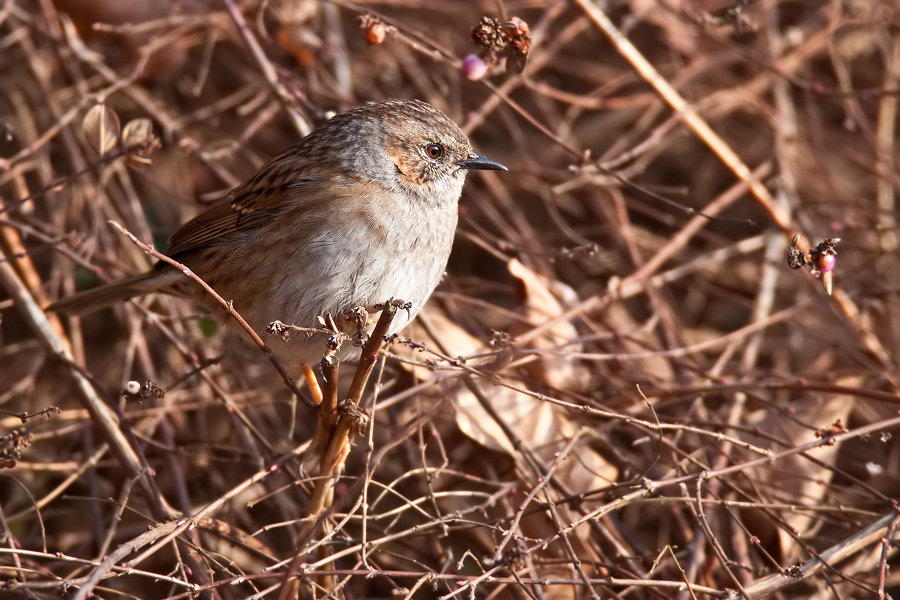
x,y
362,210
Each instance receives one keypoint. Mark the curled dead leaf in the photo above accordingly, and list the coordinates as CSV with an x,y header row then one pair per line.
x,y
139,141
137,132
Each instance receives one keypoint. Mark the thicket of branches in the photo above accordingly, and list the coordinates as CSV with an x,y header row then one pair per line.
x,y
620,389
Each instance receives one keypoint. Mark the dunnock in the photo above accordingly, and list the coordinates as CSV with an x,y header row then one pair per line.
x,y
360,211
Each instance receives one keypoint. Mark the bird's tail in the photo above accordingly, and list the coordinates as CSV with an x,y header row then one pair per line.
x,y
101,297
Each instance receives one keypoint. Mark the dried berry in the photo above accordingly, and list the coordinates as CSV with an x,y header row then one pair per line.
x,y
823,255
375,34
374,30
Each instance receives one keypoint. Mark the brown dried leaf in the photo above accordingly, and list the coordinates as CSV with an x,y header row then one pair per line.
x,y
541,425
539,304
101,128
796,478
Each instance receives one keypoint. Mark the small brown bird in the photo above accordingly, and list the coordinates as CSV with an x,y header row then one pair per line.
x,y
360,211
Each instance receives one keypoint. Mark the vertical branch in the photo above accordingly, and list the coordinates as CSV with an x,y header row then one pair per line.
x,y
333,437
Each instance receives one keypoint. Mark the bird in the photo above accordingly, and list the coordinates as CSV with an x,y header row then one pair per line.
x,y
362,210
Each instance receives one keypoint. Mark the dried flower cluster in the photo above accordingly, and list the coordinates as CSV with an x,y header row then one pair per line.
x,y
821,259
501,42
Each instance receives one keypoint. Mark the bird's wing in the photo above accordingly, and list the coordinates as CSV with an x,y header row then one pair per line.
x,y
249,206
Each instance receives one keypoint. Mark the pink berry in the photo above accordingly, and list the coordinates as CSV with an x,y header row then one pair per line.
x,y
474,67
825,262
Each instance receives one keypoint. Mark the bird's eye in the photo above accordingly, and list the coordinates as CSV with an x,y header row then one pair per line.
x,y
434,151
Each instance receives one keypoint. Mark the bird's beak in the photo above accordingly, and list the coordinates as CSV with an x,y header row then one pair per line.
x,y
481,162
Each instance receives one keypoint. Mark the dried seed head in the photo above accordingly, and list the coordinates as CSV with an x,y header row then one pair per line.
x,y
518,36
796,259
488,34
507,42
12,445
